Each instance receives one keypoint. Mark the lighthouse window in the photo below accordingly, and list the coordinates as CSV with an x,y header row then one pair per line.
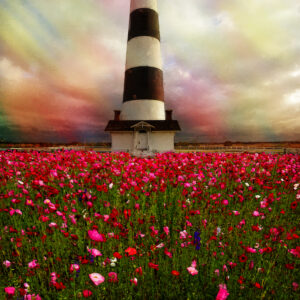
x,y
142,131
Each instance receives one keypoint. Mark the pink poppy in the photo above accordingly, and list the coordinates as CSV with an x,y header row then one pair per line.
x,y
134,281
225,202
192,271
33,264
97,278
94,235
7,263
94,252
32,297
10,290
166,230
74,267
222,294
113,277
255,213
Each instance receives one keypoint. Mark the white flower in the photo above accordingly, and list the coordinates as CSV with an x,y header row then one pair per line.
x,y
246,184
257,196
113,265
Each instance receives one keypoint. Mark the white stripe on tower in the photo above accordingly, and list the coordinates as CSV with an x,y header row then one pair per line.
x,y
143,51
136,4
143,110
143,97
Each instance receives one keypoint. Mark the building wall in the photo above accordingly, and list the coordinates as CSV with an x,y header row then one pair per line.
x,y
162,141
158,142
122,141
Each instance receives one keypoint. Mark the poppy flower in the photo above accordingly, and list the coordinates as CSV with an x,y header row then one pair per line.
x,y
193,271
117,255
87,293
134,281
131,251
243,258
257,285
290,266
112,277
294,205
97,278
175,273
94,235
153,266
9,290
223,293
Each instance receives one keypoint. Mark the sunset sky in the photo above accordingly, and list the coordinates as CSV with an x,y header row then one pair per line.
x,y
231,68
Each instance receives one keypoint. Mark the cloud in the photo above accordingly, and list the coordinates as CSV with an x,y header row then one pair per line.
x,y
230,67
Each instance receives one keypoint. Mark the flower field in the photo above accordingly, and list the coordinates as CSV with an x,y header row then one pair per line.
x,y
175,226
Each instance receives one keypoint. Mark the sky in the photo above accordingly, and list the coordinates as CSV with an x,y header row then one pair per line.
x,y
231,68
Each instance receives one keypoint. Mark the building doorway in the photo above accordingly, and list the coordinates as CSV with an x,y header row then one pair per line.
x,y
142,140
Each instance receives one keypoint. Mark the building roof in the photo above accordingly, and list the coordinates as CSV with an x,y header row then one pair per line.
x,y
156,125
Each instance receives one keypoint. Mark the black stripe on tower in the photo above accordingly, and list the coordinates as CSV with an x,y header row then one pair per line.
x,y
143,83
144,22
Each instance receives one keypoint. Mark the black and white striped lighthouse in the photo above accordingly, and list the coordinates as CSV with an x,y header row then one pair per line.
x,y
143,89
143,124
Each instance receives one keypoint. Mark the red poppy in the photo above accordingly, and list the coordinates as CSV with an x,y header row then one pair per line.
x,y
59,286
243,258
294,205
241,280
257,285
255,228
153,266
290,266
22,292
87,293
131,251
117,255
175,273
74,237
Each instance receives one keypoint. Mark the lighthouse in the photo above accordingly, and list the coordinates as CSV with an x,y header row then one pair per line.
x,y
143,125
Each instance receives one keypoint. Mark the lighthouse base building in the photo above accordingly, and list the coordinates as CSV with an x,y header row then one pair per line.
x,y
140,137
143,126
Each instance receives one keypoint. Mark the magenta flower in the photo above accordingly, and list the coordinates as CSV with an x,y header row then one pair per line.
x,y
33,264
113,277
94,235
10,290
222,294
225,202
32,297
166,230
94,252
295,286
74,267
97,278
